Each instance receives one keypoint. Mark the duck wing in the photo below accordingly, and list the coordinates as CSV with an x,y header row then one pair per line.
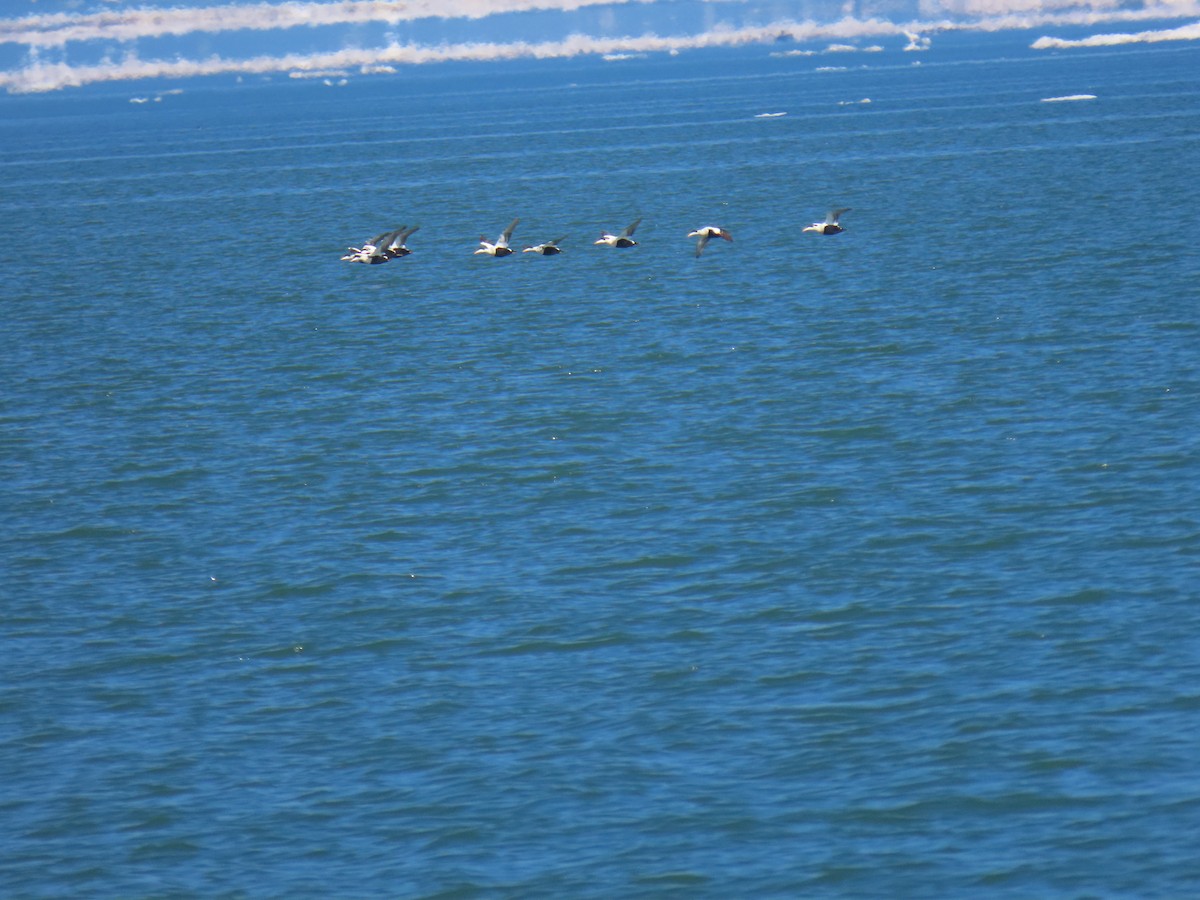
x,y
630,228
835,214
507,233
382,244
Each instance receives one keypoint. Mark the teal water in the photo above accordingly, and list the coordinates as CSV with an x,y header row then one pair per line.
x,y
852,566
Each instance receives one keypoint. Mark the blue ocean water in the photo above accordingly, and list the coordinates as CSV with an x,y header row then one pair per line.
x,y
850,566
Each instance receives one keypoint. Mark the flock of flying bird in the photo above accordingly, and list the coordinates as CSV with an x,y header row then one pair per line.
x,y
391,244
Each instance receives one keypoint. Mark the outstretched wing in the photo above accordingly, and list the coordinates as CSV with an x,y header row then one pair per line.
x,y
379,241
507,233
835,214
629,229
702,242
404,233
394,239
381,244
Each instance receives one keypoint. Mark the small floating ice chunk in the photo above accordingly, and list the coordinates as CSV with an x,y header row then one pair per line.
x,y
775,115
854,102
1068,98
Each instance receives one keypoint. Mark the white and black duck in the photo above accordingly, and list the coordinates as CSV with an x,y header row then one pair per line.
x,y
706,234
500,246
549,248
396,246
830,225
622,239
377,250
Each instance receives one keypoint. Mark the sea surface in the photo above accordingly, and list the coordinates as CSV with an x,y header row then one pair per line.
x,y
863,565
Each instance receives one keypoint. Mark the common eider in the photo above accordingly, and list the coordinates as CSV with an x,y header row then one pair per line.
x,y
374,251
707,233
547,249
830,225
500,247
395,247
624,239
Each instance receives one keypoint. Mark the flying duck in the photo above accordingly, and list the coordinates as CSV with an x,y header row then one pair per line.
x,y
395,247
374,251
500,247
624,239
705,234
547,249
830,225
